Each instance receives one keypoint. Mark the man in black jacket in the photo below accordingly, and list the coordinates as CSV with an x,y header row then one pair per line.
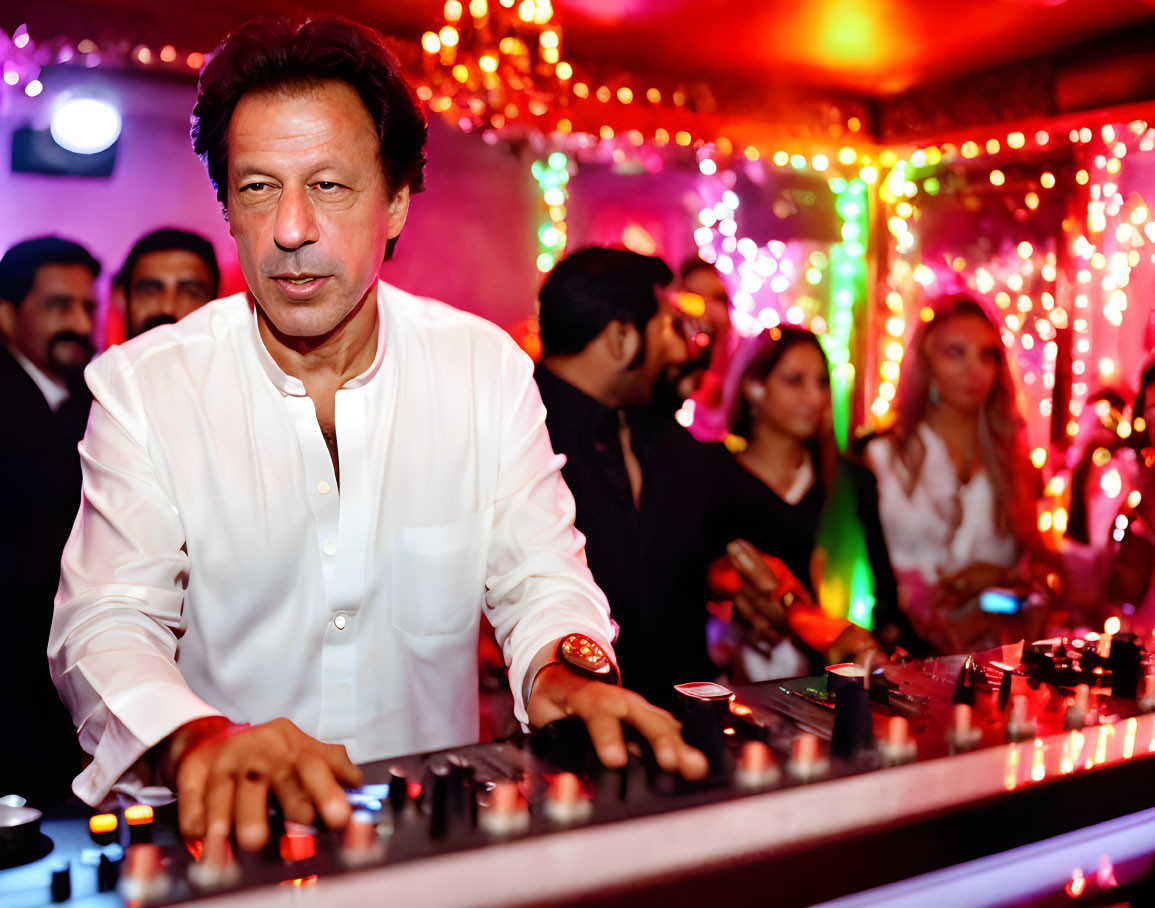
x,y
46,307
645,489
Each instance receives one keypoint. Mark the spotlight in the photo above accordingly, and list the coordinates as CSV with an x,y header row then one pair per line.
x,y
85,125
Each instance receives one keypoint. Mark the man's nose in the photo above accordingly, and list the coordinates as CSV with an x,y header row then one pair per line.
x,y
80,319
296,223
169,300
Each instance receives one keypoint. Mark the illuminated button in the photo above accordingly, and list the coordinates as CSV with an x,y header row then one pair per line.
x,y
137,814
339,622
330,547
323,487
102,828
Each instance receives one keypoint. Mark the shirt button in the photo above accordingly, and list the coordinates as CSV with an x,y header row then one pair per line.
x,y
339,622
330,547
323,487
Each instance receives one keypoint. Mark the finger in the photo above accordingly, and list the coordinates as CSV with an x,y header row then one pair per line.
x,y
605,730
345,770
322,789
218,801
764,609
663,732
252,811
750,566
191,781
295,803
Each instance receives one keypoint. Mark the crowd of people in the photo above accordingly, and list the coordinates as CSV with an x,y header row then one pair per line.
x,y
269,557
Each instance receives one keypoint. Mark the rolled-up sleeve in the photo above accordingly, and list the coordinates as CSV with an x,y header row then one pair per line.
x,y
118,614
539,587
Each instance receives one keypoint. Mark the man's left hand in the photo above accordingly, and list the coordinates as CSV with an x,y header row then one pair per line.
x,y
558,692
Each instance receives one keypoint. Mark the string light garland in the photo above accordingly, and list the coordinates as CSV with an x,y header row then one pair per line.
x,y
1060,300
552,175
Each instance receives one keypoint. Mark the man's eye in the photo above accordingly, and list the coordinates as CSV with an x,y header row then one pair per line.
x,y
328,186
253,187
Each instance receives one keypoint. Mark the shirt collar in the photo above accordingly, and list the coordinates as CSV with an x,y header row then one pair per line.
x,y
292,386
572,414
55,393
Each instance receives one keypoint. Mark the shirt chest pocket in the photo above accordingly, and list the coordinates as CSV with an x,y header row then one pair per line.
x,y
439,575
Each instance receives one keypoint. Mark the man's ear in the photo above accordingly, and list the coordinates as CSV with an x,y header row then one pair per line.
x,y
398,211
119,300
622,340
7,320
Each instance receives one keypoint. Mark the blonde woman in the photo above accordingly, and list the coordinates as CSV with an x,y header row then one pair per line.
x,y
956,489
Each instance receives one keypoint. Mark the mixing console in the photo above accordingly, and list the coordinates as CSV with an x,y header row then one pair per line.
x,y
928,764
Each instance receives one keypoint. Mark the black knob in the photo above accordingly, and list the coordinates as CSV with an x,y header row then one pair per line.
x,y
398,793
853,727
61,884
107,874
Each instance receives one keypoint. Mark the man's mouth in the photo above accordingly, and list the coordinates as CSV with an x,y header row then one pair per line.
x,y
301,287
296,279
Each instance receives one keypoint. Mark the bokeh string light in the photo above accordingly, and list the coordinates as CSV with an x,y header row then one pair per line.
x,y
1060,298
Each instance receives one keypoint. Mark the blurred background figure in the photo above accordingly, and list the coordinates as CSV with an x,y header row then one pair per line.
x,y
701,297
1102,473
168,274
1133,565
957,493
793,497
46,305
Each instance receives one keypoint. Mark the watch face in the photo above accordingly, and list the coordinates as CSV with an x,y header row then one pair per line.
x,y
584,655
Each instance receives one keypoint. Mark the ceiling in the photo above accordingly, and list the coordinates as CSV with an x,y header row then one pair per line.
x,y
874,48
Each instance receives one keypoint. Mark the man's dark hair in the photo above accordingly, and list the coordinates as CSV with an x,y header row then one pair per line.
x,y
19,265
170,239
287,54
593,287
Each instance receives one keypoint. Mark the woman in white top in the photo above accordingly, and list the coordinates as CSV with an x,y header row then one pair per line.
x,y
954,482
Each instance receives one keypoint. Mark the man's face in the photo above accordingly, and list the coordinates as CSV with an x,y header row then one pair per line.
x,y
52,327
308,205
665,346
165,287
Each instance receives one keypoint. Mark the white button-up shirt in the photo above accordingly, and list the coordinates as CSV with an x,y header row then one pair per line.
x,y
215,566
943,525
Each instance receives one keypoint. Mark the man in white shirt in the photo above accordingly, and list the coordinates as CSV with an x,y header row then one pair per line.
x,y
46,304
297,501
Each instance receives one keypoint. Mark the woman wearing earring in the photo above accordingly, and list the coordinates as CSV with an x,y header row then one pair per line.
x,y
955,486
795,499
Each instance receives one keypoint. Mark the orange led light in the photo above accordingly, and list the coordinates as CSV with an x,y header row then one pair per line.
x,y
102,823
138,815
300,881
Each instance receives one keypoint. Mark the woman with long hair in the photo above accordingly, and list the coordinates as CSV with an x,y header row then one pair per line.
x,y
956,489
794,498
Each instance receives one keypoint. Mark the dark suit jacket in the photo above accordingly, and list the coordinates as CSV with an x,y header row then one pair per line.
x,y
39,498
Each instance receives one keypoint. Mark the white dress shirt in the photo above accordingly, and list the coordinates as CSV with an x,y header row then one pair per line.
x,y
215,567
55,393
944,525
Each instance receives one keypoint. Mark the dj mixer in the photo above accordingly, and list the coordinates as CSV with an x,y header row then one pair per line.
x,y
818,788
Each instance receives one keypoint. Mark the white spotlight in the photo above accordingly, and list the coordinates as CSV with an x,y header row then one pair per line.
x,y
85,125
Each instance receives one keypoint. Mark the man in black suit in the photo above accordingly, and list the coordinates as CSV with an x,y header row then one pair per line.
x,y
46,307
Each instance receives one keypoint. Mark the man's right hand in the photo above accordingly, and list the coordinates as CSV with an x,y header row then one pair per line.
x,y
223,774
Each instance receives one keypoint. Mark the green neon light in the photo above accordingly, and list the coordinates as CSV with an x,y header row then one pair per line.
x,y
847,584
